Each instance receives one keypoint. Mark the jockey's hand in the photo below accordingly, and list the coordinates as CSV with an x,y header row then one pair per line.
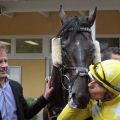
x,y
48,89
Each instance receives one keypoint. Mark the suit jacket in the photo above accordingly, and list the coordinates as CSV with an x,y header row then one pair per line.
x,y
25,111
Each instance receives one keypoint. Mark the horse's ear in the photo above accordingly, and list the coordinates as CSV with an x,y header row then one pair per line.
x,y
92,17
62,14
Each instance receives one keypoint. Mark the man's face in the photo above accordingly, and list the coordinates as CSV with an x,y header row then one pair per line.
x,y
3,64
96,91
115,56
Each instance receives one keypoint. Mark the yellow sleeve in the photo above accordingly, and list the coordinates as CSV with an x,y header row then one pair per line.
x,y
70,113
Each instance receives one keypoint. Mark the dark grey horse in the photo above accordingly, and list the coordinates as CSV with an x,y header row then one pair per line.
x,y
74,51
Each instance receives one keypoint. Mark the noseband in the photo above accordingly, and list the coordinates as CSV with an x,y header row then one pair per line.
x,y
81,71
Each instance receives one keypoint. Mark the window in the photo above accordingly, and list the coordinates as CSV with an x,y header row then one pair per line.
x,y
29,45
108,42
6,42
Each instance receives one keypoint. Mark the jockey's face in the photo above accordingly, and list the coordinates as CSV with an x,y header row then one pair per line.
x,y
96,91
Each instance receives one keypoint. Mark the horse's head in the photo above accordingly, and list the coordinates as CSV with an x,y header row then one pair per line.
x,y
77,50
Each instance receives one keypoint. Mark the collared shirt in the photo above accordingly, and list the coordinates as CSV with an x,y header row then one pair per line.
x,y
7,102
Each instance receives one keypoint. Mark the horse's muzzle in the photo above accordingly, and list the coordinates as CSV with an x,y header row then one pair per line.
x,y
80,94
80,100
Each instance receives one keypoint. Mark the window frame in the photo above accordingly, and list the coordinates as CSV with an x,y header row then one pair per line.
x,y
109,36
45,52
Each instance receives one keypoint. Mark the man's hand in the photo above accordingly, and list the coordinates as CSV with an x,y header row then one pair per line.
x,y
48,89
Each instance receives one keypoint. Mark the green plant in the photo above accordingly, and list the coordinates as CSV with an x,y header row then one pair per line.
x,y
29,101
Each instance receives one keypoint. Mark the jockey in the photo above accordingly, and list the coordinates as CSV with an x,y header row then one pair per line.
x,y
104,89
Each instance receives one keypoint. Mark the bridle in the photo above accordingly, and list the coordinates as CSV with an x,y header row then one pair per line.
x,y
80,71
73,25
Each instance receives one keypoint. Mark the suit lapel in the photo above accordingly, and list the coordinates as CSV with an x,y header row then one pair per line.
x,y
15,91
0,116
